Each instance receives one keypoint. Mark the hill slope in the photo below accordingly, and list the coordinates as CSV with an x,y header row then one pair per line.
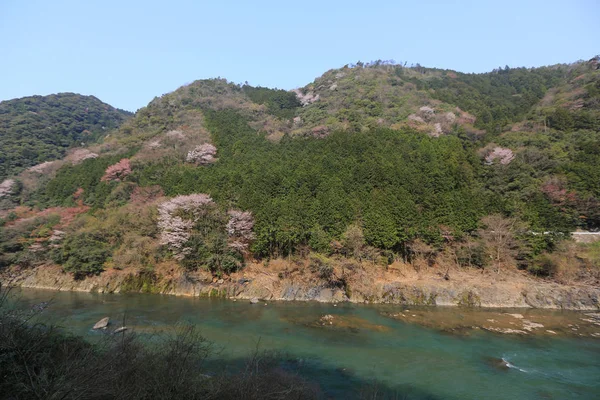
x,y
376,163
40,128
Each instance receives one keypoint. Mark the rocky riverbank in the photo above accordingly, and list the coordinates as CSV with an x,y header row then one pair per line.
x,y
283,280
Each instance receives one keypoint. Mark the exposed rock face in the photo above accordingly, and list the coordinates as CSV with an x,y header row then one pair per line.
x,y
102,324
369,286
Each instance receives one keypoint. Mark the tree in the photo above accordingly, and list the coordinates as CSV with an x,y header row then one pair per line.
x,y
203,154
500,238
353,240
117,172
82,254
177,216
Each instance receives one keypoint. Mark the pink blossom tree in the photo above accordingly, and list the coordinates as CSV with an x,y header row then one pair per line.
x,y
502,154
118,171
176,218
203,154
6,187
239,229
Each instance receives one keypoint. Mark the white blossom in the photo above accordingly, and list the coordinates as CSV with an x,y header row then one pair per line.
x,y
6,187
203,154
177,216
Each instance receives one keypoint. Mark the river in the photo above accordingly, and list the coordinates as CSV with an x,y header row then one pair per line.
x,y
347,346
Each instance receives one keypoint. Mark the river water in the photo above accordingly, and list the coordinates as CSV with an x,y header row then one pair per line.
x,y
364,347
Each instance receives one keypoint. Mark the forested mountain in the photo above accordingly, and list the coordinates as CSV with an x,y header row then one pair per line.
x,y
374,161
40,128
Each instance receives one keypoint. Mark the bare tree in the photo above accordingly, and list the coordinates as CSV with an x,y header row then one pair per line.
x,y
500,238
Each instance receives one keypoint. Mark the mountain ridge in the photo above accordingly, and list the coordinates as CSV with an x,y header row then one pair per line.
x,y
371,163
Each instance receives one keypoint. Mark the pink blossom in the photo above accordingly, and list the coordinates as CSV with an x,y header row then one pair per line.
x,y
177,216
6,187
203,154
118,171
239,229
500,153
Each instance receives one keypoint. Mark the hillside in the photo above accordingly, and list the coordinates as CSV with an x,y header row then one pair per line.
x,y
372,165
41,128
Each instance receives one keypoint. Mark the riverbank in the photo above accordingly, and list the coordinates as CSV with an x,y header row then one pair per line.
x,y
283,280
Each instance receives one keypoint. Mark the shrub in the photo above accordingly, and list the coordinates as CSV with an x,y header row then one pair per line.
x,y
543,265
82,254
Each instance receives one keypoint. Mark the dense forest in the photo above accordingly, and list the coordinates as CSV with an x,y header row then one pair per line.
x,y
373,161
41,128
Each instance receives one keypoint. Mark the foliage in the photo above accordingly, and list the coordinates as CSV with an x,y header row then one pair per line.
x,y
83,254
280,103
83,181
117,172
203,154
41,128
301,186
357,172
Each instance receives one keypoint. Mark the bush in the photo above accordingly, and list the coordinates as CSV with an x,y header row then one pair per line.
x,y
82,254
543,265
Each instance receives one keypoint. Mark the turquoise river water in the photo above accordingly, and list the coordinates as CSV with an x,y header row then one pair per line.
x,y
409,360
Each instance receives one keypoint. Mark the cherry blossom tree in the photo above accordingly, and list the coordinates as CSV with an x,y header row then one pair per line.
x,y
203,154
239,229
6,187
502,154
118,171
176,218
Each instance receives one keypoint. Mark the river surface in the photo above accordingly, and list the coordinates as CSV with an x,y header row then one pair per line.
x,y
364,347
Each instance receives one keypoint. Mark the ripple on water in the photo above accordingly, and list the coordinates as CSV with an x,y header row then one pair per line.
x,y
413,352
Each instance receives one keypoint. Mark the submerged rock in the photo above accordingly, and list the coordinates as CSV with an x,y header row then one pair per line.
x,y
497,363
254,301
102,324
119,330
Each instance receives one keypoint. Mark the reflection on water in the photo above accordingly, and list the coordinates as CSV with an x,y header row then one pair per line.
x,y
346,345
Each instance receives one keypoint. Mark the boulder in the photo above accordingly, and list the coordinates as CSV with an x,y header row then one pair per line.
x,y
254,301
497,363
119,330
102,324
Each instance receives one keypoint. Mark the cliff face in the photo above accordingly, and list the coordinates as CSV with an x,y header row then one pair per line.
x,y
367,284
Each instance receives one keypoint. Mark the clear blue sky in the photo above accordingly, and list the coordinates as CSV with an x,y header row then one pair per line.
x,y
126,52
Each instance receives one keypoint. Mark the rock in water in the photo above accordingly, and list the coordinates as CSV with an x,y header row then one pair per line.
x,y
254,300
119,330
497,363
102,324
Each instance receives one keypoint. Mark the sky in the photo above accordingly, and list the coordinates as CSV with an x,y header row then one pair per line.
x,y
127,52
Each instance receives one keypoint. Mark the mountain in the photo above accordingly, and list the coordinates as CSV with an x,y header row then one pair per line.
x,y
41,128
375,162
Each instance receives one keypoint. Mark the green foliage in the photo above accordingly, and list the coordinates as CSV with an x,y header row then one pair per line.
x,y
499,97
281,103
41,128
301,189
87,176
16,238
208,247
82,254
543,265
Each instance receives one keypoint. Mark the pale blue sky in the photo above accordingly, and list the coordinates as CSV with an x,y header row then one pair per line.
x,y
127,52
